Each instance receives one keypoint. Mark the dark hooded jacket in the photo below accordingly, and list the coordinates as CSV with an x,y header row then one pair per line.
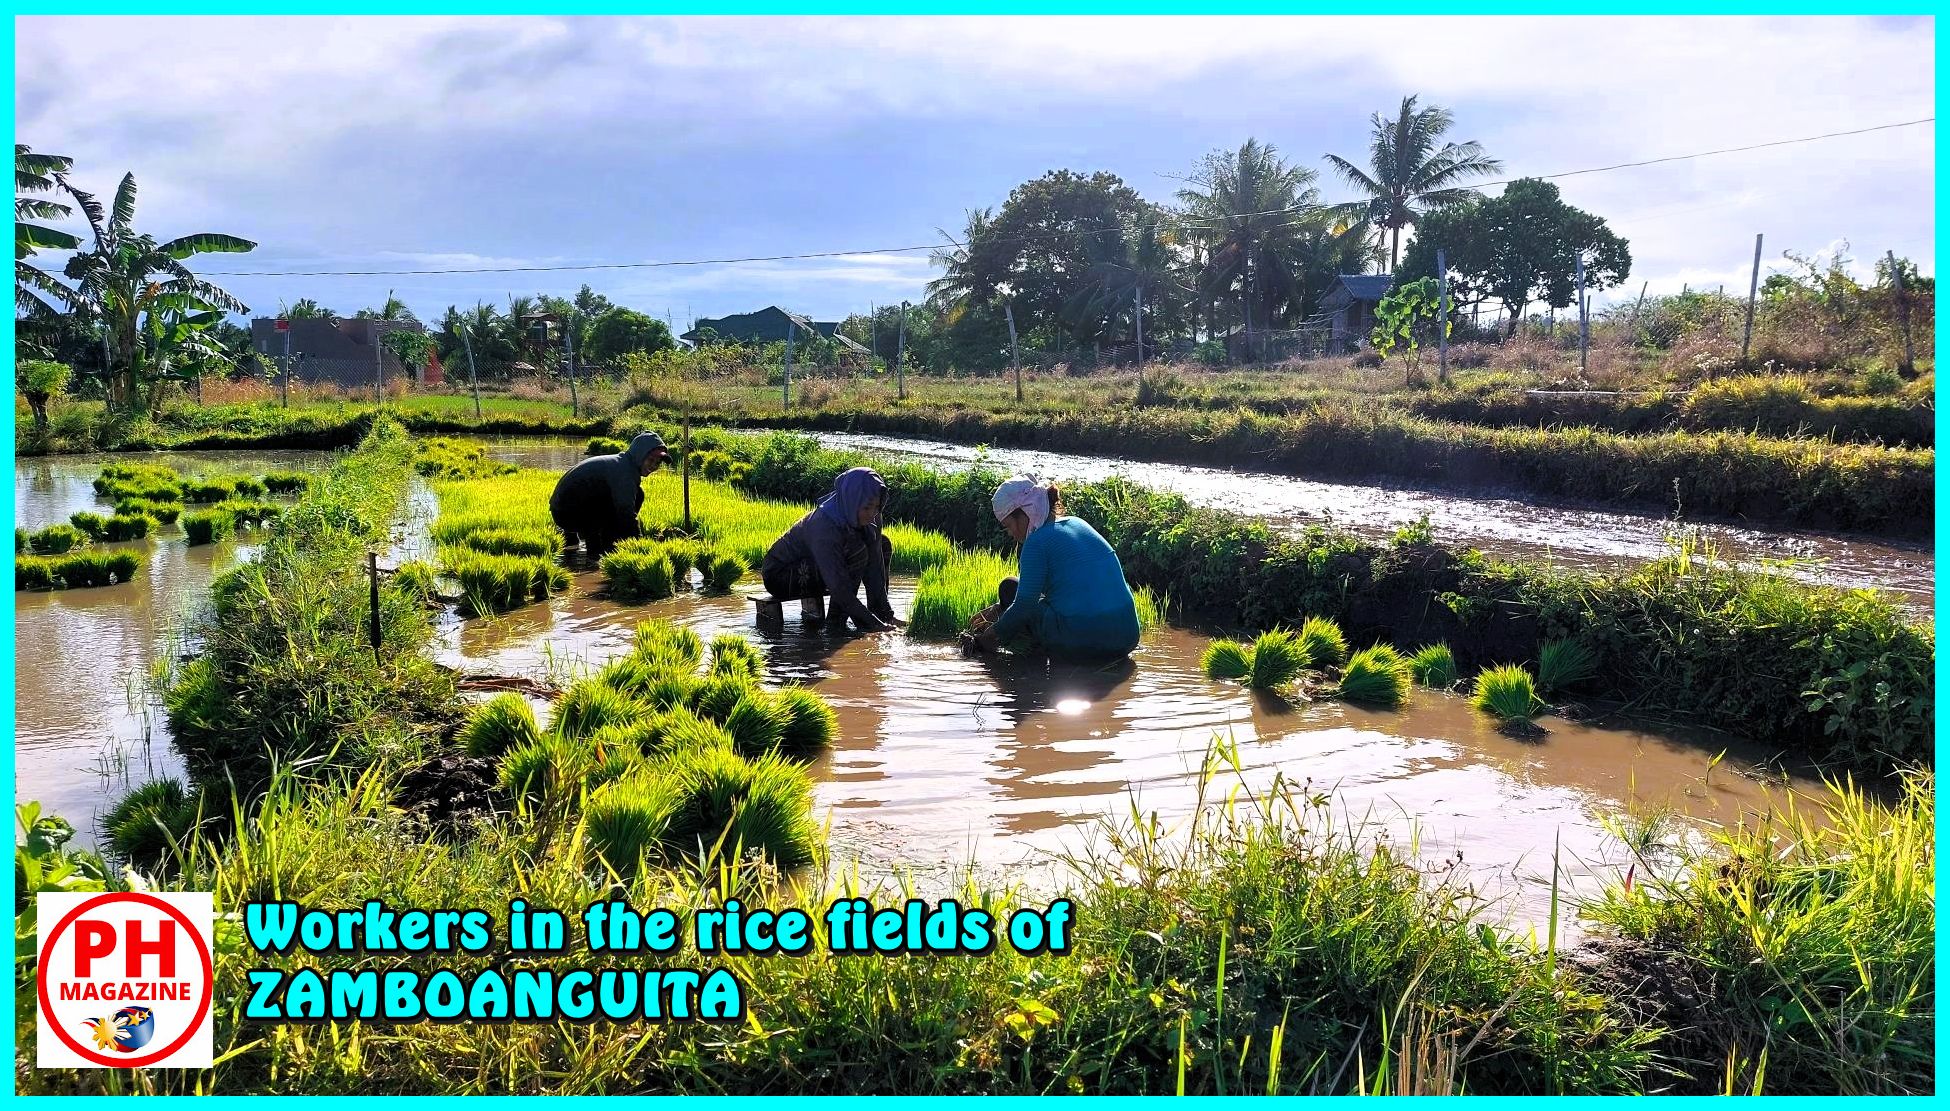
x,y
823,537
611,482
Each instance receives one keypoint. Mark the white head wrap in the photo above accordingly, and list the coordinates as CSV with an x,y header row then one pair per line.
x,y
1026,494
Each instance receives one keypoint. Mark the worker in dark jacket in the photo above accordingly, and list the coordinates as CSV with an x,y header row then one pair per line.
x,y
834,550
598,499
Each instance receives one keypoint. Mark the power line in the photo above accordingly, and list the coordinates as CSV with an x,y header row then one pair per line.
x,y
1207,224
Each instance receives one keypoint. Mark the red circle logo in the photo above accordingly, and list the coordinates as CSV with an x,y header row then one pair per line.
x,y
126,1060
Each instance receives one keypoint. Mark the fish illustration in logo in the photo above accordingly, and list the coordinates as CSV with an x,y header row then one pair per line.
x,y
127,1030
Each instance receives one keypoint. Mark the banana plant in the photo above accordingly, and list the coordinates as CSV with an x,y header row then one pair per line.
x,y
1397,318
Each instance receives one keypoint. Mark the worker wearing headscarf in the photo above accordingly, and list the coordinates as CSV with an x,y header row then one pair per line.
x,y
835,550
597,500
1071,599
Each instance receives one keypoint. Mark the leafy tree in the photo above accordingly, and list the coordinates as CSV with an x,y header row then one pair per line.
x,y
308,309
1400,316
618,331
1105,305
1045,239
490,334
1519,248
38,380
37,295
591,304
147,300
1408,173
409,346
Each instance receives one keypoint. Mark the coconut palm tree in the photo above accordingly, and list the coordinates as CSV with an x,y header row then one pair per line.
x,y
1408,173
37,294
959,285
125,277
1249,205
1105,305
393,309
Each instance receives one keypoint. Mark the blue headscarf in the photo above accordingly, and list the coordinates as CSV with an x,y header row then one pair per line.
x,y
851,490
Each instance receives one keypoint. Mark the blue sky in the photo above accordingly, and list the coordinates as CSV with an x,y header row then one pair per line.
x,y
383,143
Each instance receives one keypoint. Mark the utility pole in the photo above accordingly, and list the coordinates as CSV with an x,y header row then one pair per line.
x,y
1902,311
1753,291
1442,321
1015,360
900,355
473,380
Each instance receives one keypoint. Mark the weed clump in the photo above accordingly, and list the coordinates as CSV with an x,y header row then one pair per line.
x,y
416,580
148,825
1562,664
1376,676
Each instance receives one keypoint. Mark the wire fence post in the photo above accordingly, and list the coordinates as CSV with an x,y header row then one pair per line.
x,y
569,348
284,380
1015,360
785,395
378,366
1902,313
1753,291
1584,322
900,355
687,465
473,379
1442,321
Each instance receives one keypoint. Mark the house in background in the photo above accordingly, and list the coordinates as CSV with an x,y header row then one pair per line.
x,y
770,325
337,351
1351,302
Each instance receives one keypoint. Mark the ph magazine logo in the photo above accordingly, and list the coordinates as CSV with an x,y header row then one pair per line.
x,y
126,979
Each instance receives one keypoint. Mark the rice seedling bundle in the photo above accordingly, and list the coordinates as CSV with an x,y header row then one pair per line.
x,y
1323,641
757,724
287,482
683,556
74,570
810,724
33,573
547,767
671,639
94,524
721,805
1506,692
714,698
951,593
616,756
129,526
624,821
445,458
415,580
150,481
721,570
1278,658
56,539
20,540
732,654
204,491
208,526
590,705
680,729
1434,666
165,512
1227,659
511,541
1562,664
245,486
500,724
639,574
494,583
1376,676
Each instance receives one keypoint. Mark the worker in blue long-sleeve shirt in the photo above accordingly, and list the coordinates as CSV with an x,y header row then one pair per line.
x,y
1070,599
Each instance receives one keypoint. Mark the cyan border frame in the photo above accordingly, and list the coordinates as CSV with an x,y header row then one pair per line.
x,y
1538,8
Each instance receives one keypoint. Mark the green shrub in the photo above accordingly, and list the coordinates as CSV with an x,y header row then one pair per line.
x,y
1434,666
1376,676
56,539
721,570
810,724
1278,658
1227,659
148,824
588,706
640,573
500,724
1323,642
1562,664
208,526
1506,692
721,805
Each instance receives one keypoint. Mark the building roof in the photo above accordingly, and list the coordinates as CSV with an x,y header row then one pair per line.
x,y
1357,287
768,325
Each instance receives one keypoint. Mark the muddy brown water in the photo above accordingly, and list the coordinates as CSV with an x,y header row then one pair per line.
x,y
943,762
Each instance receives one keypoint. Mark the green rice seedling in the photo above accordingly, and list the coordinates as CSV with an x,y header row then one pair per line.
x,y
170,490
671,641
1278,658
641,574
493,583
721,805
682,730
287,482
165,512
810,724
56,539
416,580
208,526
605,445
1375,676
206,491
545,543
550,766
130,526
588,706
446,459
1150,609
617,753
714,698
245,513
1506,692
732,654
624,820
951,593
757,724
683,556
1323,642
1562,664
148,824
77,570
500,724
33,573
1434,666
916,550
738,473
247,487
94,524
721,570
669,692
1227,659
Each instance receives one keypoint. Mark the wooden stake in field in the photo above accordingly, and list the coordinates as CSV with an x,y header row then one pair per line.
x,y
1009,313
473,380
900,355
1584,322
372,573
785,394
1442,321
1902,310
687,467
1753,291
